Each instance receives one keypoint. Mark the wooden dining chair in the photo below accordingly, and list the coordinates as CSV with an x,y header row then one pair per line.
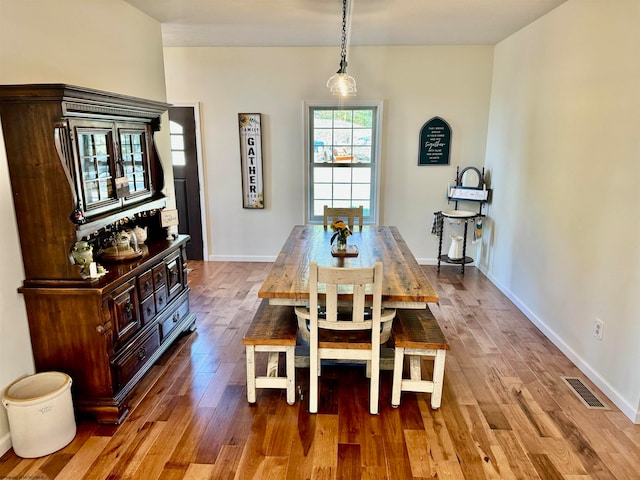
x,y
350,213
348,332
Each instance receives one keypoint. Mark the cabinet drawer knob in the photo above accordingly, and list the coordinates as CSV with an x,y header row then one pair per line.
x,y
176,317
100,329
149,311
142,353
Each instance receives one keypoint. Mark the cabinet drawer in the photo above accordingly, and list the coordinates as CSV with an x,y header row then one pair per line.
x,y
172,321
148,309
145,284
124,311
175,275
135,357
161,299
159,275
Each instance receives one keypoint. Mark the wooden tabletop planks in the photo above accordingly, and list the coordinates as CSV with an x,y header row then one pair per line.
x,y
404,280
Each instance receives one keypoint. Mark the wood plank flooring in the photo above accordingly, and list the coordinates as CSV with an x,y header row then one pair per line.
x,y
505,414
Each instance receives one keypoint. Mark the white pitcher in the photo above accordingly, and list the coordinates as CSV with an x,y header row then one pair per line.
x,y
455,250
140,233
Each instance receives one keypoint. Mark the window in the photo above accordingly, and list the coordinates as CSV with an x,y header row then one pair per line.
x,y
342,157
176,133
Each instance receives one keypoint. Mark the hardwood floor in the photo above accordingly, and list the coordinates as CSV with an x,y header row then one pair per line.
x,y
505,414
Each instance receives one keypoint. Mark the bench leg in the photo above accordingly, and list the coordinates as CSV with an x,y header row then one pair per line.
x,y
415,371
272,364
398,363
291,374
415,383
438,378
271,379
251,373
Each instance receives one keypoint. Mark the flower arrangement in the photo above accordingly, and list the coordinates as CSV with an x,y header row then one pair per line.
x,y
342,232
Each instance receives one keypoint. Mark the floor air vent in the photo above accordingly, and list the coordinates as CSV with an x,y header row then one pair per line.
x,y
584,393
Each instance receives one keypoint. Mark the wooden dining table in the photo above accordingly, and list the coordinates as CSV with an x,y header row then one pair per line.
x,y
405,285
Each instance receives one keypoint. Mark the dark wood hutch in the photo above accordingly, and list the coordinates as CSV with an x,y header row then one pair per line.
x,y
83,165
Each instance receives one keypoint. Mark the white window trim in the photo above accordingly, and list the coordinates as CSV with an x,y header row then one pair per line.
x,y
377,201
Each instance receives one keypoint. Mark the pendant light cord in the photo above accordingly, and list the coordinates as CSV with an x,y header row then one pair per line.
x,y
343,50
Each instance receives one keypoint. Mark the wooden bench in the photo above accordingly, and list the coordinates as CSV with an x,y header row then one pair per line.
x,y
416,333
274,329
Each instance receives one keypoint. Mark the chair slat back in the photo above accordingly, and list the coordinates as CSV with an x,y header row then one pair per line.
x,y
332,214
355,279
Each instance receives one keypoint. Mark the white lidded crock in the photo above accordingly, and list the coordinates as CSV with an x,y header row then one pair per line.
x,y
40,412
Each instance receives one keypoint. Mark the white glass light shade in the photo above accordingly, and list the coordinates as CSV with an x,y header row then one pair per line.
x,y
342,84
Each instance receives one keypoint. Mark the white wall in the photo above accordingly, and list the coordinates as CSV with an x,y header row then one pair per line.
x,y
415,84
563,151
91,43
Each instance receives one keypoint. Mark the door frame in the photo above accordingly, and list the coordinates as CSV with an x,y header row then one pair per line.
x,y
199,150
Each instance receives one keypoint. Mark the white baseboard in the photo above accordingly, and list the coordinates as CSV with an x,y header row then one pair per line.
x,y
252,258
427,261
5,443
240,258
611,393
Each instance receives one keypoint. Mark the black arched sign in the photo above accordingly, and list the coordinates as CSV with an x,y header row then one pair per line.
x,y
435,142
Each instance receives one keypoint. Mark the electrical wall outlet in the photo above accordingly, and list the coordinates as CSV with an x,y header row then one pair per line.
x,y
598,326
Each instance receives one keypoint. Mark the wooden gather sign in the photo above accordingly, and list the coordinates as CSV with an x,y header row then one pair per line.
x,y
251,160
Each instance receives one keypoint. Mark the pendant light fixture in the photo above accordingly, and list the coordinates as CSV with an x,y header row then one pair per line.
x,y
341,83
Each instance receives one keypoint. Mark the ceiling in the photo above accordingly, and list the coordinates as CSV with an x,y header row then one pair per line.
x,y
191,23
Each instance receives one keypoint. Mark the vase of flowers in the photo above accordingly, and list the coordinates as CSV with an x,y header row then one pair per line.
x,y
342,232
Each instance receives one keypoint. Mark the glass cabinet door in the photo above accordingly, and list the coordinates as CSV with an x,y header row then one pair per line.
x,y
112,164
135,160
97,166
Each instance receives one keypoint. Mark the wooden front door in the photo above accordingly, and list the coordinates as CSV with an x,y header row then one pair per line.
x,y
185,177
